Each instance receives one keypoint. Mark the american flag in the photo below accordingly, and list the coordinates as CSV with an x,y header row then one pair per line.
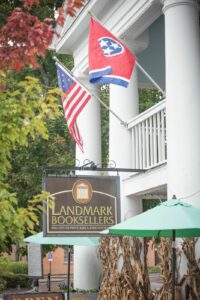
x,y
75,99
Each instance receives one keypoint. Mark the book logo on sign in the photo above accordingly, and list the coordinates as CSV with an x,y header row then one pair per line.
x,y
82,191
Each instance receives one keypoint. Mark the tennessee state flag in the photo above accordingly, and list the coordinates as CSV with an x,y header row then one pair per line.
x,y
109,60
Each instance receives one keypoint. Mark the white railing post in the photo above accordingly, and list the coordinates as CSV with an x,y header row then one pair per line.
x,y
147,143
149,137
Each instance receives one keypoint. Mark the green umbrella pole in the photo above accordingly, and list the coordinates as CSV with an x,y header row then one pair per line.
x,y
68,272
173,264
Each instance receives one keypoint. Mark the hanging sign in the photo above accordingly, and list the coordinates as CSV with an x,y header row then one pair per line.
x,y
82,205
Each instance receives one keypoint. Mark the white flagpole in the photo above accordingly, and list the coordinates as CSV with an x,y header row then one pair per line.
x,y
136,62
73,77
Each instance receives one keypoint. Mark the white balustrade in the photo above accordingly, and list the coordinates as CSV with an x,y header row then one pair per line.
x,y
148,131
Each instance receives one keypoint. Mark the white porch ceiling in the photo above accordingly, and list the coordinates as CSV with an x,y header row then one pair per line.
x,y
153,181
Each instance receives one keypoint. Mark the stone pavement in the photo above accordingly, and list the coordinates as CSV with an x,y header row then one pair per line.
x,y
155,280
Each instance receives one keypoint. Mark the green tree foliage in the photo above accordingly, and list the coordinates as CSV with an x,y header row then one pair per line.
x,y
150,203
148,98
27,163
32,124
24,108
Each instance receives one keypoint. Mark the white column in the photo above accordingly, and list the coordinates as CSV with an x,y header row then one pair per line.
x,y
89,123
125,103
87,269
86,265
183,98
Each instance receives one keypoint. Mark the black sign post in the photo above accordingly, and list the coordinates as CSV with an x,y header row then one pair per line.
x,y
50,259
68,272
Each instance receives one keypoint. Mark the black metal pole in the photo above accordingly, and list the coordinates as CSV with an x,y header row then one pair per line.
x,y
94,168
173,264
68,272
49,282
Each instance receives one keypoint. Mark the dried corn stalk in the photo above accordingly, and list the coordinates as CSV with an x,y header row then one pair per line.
x,y
133,281
193,272
165,257
128,278
108,252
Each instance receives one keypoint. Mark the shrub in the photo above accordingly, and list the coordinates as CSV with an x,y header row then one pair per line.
x,y
15,280
18,267
3,284
4,263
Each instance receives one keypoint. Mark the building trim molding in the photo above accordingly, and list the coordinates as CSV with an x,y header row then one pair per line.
x,y
172,3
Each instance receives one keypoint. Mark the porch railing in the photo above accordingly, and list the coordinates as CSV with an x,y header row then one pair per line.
x,y
148,132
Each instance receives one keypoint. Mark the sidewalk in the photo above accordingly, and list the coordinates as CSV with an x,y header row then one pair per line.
x,y
155,280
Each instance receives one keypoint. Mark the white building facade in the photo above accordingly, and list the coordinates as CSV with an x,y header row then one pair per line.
x,y
165,139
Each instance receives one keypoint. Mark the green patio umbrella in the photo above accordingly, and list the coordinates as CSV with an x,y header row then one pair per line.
x,y
172,218
70,241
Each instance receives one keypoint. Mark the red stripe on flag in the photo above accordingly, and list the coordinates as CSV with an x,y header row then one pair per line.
x,y
76,89
76,103
79,110
75,134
